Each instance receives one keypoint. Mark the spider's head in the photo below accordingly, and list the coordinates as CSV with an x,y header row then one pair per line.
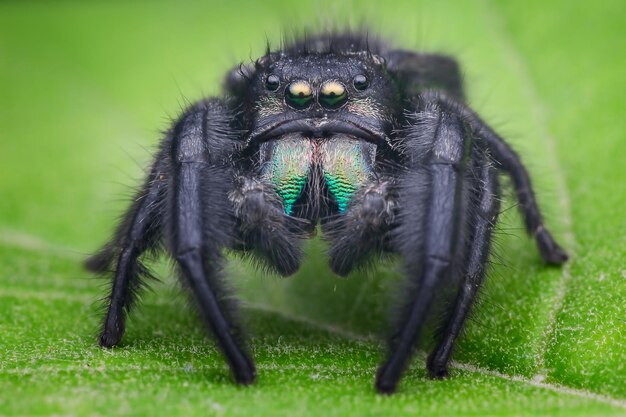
x,y
319,94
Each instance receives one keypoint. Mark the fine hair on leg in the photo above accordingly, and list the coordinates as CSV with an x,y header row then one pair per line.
x,y
139,230
507,159
201,222
437,142
483,206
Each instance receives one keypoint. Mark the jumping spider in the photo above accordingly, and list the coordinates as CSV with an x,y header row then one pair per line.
x,y
376,145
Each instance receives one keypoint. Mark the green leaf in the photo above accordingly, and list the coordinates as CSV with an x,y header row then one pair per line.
x,y
84,91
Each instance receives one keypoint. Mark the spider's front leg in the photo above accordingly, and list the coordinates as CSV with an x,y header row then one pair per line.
x,y
483,209
186,200
432,204
201,221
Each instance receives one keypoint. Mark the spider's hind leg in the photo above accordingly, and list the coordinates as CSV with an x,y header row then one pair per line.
x,y
424,71
507,159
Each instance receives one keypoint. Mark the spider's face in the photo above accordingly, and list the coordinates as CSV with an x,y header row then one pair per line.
x,y
320,95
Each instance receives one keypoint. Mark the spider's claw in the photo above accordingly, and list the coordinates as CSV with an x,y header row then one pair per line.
x,y
111,335
109,339
551,252
246,376
556,257
436,368
385,383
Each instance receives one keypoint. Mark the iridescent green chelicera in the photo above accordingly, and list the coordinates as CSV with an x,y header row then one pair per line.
x,y
347,166
288,168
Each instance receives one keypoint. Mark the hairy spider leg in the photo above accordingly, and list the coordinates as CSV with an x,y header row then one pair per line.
x,y
201,219
191,175
509,161
139,231
484,209
429,261
421,72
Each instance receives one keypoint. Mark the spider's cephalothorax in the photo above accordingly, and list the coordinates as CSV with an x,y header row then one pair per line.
x,y
375,144
317,122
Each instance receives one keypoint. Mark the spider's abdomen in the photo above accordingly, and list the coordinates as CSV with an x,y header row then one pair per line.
x,y
306,170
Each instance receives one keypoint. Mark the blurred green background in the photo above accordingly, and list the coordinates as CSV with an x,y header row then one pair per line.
x,y
87,87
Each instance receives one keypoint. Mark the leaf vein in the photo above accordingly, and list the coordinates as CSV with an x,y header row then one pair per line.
x,y
539,116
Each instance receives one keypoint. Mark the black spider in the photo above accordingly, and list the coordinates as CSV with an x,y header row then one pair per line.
x,y
375,144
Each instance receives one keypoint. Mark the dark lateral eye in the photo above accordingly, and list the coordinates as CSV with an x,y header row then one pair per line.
x,y
360,82
272,83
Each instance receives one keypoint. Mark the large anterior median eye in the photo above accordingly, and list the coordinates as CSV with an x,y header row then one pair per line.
x,y
333,95
299,94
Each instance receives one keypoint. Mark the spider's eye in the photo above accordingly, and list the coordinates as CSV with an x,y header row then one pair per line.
x,y
360,82
299,94
333,95
272,83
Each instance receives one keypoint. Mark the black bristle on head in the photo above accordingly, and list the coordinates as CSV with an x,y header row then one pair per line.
x,y
345,42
